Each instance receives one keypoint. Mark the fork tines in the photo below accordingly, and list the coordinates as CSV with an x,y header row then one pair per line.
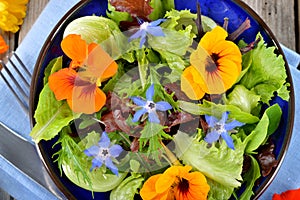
x,y
17,77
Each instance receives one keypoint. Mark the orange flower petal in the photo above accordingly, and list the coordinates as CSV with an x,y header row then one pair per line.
x,y
75,48
166,180
62,83
228,50
100,64
189,86
197,187
148,191
217,62
87,98
287,195
3,45
213,37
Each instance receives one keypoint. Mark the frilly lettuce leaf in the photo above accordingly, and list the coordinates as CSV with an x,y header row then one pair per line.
x,y
218,191
76,165
220,164
176,42
266,73
183,18
243,98
117,16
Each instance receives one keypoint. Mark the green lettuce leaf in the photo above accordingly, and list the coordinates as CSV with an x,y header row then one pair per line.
x,y
266,73
250,178
127,188
53,66
50,116
117,16
178,20
93,28
210,108
76,165
220,164
243,98
176,42
266,126
218,191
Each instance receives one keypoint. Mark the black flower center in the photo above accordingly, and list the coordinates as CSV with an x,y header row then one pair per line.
x,y
183,185
151,105
212,63
104,152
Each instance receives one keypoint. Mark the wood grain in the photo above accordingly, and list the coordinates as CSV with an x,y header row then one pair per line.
x,y
34,8
279,15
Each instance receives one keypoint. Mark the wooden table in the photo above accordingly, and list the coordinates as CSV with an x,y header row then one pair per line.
x,y
282,16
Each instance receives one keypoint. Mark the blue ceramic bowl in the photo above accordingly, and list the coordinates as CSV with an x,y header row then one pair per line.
x,y
235,10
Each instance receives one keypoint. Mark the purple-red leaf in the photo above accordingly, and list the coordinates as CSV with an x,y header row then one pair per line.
x,y
136,8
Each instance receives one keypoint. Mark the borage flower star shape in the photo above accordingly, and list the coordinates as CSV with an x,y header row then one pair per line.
x,y
220,128
215,66
176,183
79,84
103,153
149,106
151,28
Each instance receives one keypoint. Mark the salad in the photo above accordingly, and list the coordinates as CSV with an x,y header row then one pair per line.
x,y
152,102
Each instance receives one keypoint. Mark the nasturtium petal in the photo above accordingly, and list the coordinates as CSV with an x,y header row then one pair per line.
x,y
75,47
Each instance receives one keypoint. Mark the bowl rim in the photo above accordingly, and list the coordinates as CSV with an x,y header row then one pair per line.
x,y
241,4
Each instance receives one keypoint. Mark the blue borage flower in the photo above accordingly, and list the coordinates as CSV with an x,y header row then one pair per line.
x,y
219,128
149,106
103,153
151,28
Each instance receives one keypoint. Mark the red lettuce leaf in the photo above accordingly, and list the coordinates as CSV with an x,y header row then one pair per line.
x,y
136,8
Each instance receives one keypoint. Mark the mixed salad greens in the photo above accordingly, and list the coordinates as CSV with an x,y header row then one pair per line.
x,y
161,103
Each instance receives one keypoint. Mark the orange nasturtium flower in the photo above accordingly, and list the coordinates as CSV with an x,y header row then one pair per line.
x,y
176,183
79,84
287,195
215,66
3,45
12,13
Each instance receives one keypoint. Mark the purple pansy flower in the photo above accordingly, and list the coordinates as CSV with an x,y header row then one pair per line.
x,y
151,28
150,107
219,128
103,153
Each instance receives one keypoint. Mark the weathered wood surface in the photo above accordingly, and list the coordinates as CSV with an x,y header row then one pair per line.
x,y
281,17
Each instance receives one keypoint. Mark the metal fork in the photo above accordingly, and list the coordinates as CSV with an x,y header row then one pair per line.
x,y
17,77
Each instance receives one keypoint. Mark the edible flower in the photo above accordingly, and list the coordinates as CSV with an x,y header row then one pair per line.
x,y
217,128
287,195
103,153
151,28
12,13
3,45
215,66
176,183
149,106
79,84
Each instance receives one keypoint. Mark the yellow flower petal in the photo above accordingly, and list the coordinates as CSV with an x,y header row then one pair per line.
x,y
12,13
217,64
189,79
